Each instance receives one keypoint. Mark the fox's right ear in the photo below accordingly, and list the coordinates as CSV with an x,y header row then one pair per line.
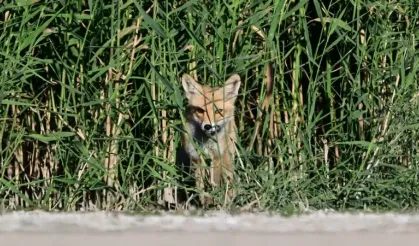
x,y
190,86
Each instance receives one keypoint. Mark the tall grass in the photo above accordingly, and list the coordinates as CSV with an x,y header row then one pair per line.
x,y
91,101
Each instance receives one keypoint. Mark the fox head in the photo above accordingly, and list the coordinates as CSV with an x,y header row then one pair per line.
x,y
208,108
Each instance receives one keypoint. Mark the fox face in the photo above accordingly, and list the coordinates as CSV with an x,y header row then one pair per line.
x,y
209,109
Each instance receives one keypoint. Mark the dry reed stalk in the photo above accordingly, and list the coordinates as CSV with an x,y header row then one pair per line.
x,y
294,112
272,133
17,160
110,149
383,130
363,80
168,192
133,45
265,105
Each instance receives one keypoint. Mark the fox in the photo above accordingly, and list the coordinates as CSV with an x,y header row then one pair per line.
x,y
210,124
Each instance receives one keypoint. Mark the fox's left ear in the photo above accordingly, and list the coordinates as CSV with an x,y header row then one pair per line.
x,y
231,86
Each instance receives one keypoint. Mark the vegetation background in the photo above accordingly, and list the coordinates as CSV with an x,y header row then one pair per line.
x,y
91,101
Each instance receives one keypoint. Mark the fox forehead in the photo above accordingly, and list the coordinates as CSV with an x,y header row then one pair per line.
x,y
209,98
220,96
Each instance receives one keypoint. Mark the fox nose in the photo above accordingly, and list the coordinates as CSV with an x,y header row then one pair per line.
x,y
207,127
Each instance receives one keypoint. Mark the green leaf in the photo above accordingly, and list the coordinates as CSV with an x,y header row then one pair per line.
x,y
147,19
45,138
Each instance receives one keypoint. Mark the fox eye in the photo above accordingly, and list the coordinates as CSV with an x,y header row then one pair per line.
x,y
218,111
199,110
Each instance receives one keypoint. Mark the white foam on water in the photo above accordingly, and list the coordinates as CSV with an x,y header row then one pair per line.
x,y
313,222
